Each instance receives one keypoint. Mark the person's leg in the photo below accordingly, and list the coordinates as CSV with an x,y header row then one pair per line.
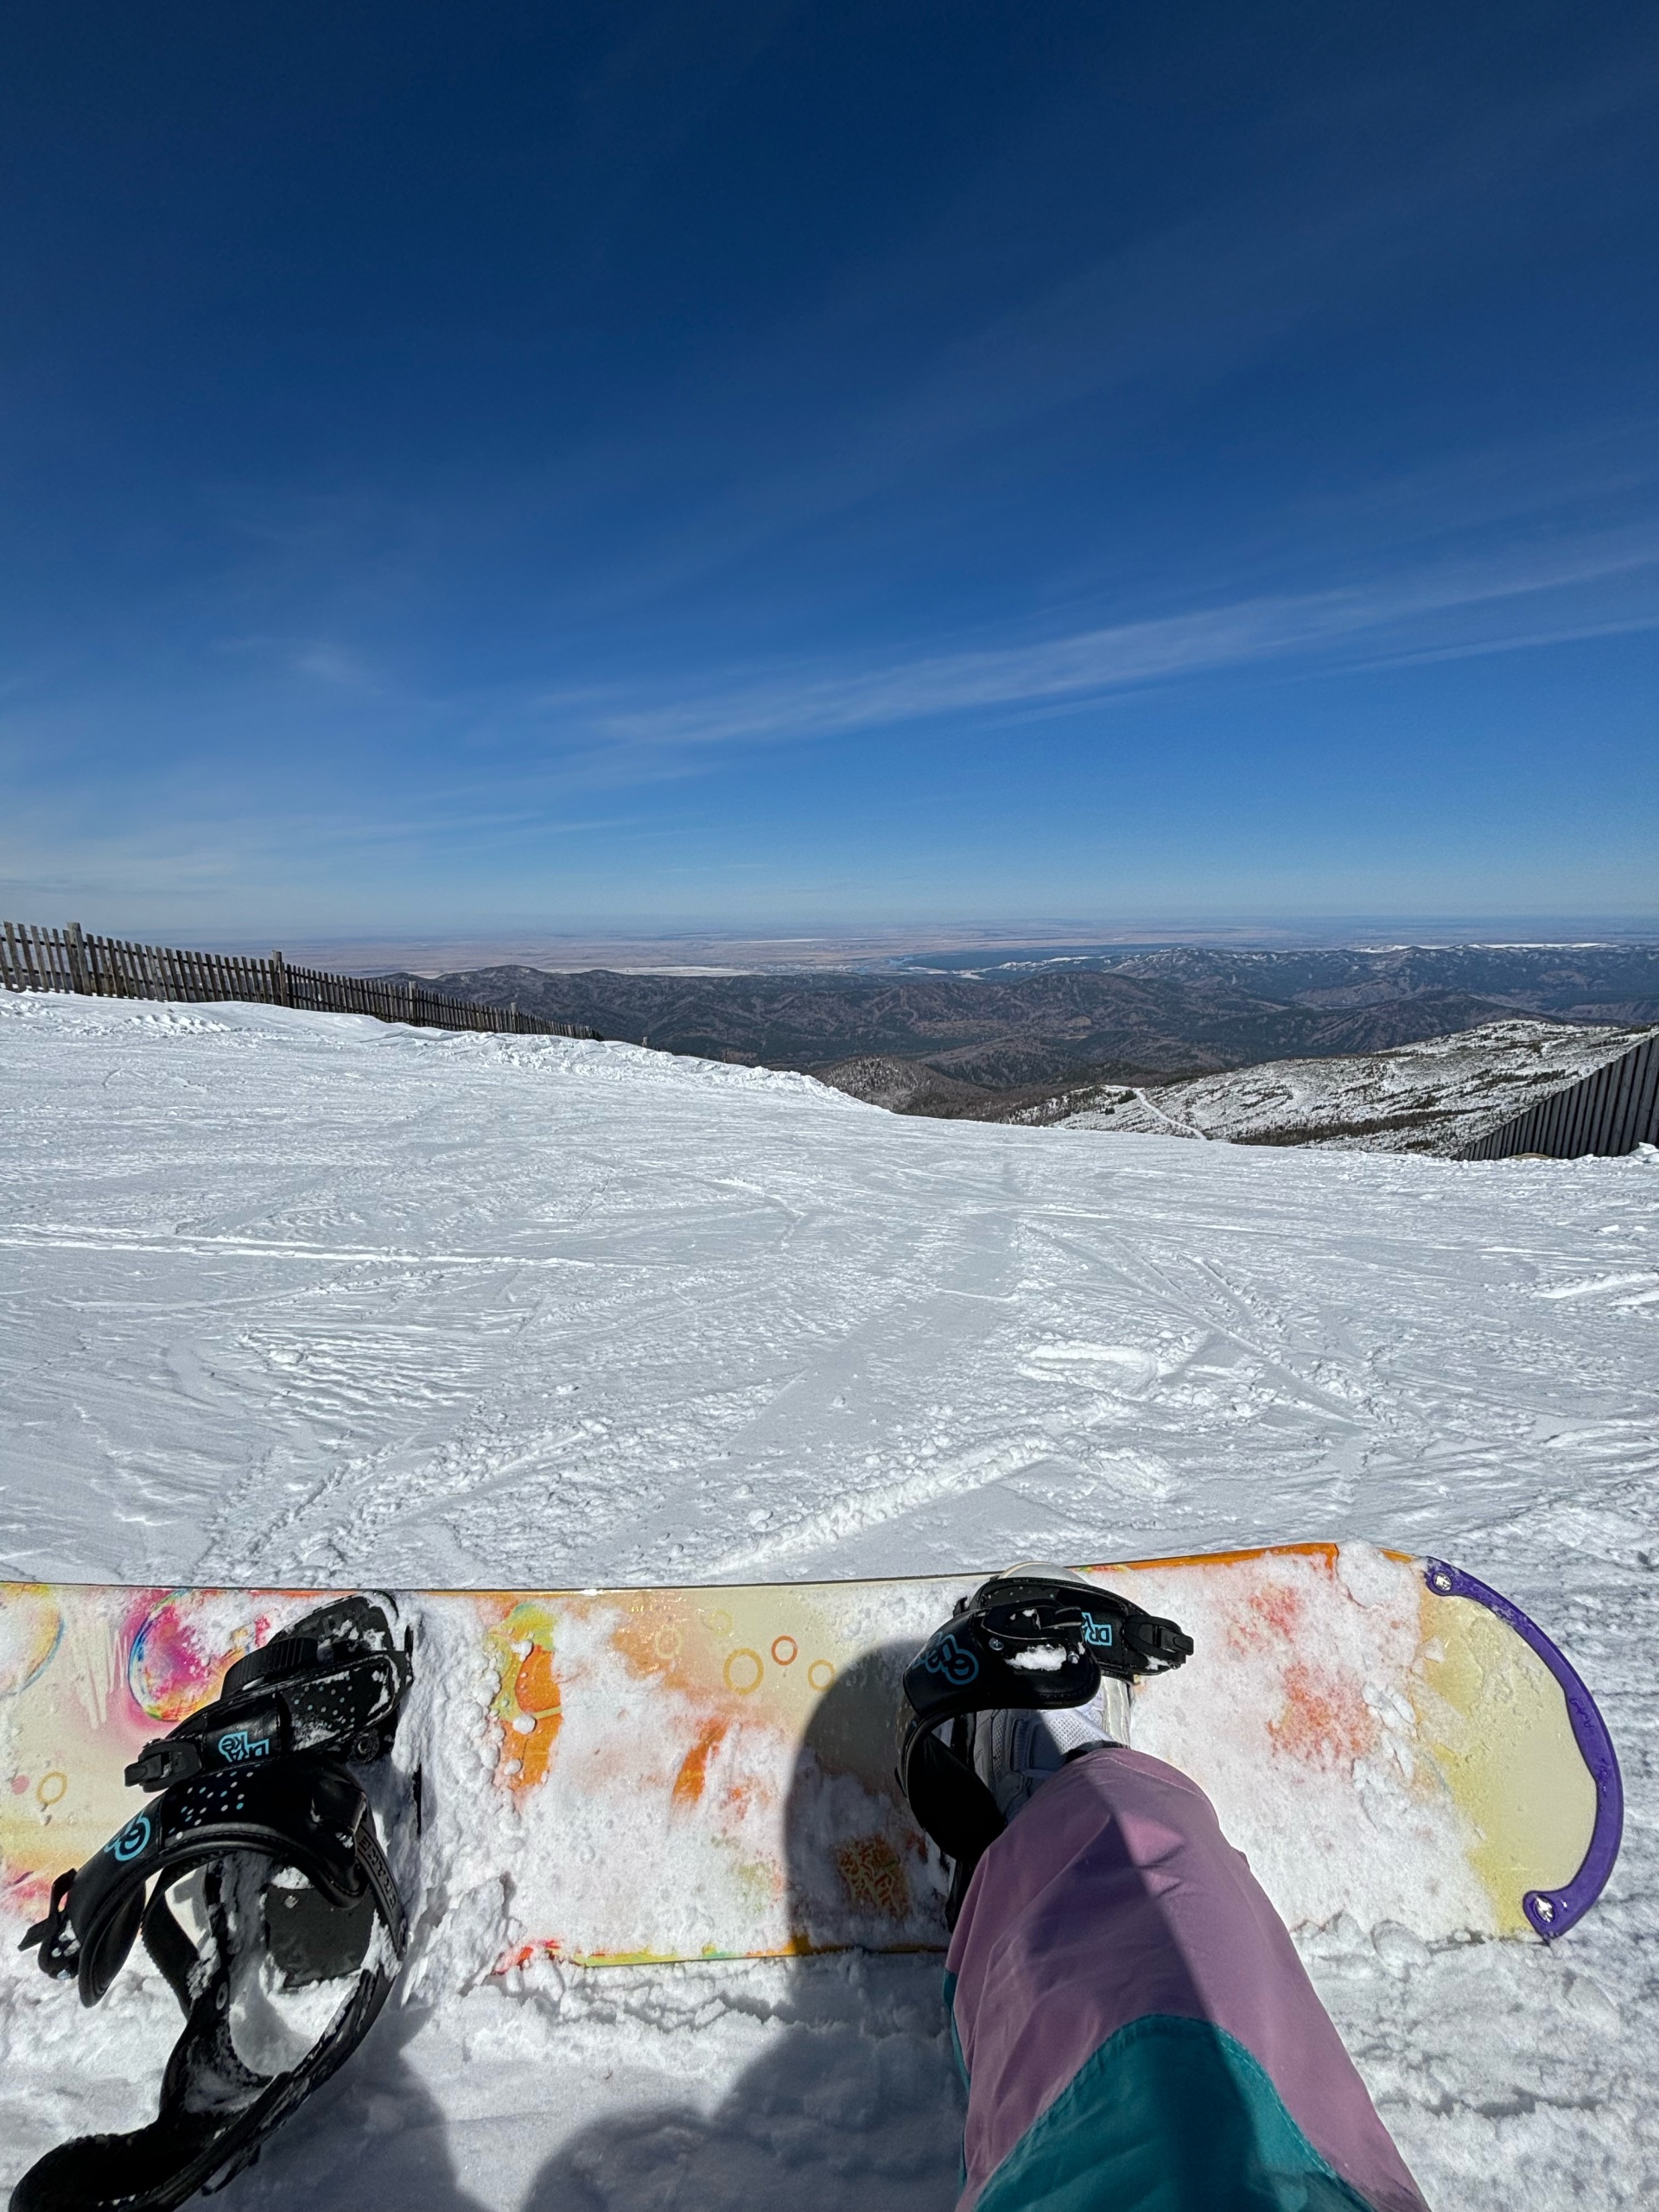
x,y
1137,2030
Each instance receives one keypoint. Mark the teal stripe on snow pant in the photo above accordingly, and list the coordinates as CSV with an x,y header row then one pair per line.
x,y
962,2063
951,2017
1169,2115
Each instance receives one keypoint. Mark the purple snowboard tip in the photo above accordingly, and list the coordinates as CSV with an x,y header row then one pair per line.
x,y
1552,1912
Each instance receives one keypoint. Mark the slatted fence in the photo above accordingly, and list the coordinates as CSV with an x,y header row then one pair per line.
x,y
33,959
1610,1112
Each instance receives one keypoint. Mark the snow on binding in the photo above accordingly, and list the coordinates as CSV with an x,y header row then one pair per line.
x,y
1034,1639
665,1774
262,1834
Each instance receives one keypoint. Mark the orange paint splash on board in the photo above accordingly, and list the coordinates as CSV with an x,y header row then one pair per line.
x,y
1325,1721
535,1694
1271,1615
745,1792
689,1782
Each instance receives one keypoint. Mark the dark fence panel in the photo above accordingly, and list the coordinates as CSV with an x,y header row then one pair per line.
x,y
33,959
1611,1111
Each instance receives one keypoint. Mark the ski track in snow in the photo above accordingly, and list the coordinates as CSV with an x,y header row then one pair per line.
x,y
307,1299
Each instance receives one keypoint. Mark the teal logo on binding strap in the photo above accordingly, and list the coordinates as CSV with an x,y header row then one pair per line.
x,y
951,1659
133,1840
239,1745
1096,1631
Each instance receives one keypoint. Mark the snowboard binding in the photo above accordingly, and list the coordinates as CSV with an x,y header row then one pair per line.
x,y
329,1685
1036,1639
264,1834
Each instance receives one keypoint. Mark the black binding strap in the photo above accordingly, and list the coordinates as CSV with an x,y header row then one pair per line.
x,y
334,1683
281,1853
304,1814
307,1814
973,1664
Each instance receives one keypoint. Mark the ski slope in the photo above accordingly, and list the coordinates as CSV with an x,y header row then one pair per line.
x,y
1437,1096
307,1299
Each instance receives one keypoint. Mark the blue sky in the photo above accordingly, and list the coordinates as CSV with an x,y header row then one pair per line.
x,y
755,465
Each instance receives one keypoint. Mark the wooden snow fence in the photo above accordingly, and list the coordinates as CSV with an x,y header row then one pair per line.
x,y
33,959
1609,1112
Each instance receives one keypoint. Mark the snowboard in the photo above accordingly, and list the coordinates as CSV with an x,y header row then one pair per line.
x,y
643,1775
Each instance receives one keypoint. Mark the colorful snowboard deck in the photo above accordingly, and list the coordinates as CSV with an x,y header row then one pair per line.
x,y
641,1775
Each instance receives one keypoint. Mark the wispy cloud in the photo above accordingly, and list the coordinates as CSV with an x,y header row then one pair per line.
x,y
1132,334
1404,618
337,666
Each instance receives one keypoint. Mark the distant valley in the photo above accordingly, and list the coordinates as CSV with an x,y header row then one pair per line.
x,y
938,1036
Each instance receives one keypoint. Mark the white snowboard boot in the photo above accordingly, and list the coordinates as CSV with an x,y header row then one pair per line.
x,y
1016,1752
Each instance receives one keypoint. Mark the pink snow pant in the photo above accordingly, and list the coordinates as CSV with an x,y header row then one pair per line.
x,y
1137,2030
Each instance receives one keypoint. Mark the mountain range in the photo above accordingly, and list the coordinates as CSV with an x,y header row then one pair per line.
x,y
1032,1021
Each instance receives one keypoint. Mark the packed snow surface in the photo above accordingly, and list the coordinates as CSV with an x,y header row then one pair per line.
x,y
1438,1096
304,1298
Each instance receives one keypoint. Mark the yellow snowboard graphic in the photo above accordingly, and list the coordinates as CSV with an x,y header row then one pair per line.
x,y
690,1773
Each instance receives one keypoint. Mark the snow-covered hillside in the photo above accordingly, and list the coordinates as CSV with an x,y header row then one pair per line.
x,y
1437,1096
304,1298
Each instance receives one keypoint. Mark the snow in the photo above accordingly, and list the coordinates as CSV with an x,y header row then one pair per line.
x,y
1438,1096
309,1299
